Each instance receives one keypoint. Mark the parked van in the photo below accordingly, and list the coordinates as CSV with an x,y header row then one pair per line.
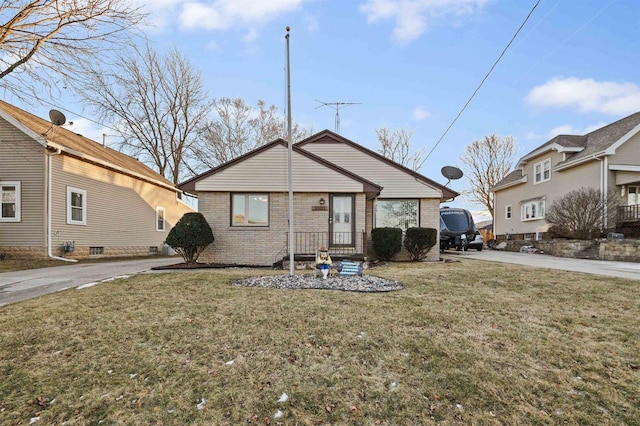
x,y
457,228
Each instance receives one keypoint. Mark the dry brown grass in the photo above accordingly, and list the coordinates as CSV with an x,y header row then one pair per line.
x,y
467,342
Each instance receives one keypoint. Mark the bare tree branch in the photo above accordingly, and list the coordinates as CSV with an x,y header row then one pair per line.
x,y
44,43
157,103
238,128
396,145
581,213
487,162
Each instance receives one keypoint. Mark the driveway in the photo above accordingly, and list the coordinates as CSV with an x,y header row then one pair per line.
x,y
627,270
22,285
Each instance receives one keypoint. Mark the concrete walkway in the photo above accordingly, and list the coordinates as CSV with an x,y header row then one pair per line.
x,y
23,285
627,270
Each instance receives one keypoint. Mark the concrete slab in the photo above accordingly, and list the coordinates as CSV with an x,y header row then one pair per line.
x,y
605,268
22,285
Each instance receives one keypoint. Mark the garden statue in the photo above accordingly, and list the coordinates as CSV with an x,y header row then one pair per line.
x,y
323,262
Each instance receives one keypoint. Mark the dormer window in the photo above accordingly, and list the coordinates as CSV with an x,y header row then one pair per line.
x,y
542,171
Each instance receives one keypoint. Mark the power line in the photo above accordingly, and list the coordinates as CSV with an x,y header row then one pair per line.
x,y
483,80
69,111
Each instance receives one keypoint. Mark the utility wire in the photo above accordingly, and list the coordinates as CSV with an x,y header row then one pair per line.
x,y
69,111
483,80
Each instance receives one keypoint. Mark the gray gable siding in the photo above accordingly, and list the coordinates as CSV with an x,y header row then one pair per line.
x,y
395,182
23,159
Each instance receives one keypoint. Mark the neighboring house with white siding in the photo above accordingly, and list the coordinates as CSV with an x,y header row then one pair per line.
x,y
342,191
607,159
58,187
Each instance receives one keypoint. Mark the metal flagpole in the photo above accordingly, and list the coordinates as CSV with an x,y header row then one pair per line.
x,y
291,236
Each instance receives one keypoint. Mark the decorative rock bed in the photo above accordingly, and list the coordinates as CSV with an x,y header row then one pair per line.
x,y
365,283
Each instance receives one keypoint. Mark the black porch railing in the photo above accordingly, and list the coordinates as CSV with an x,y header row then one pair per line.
x,y
338,243
629,213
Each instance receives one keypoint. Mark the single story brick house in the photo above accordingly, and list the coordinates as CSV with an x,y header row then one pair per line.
x,y
342,191
59,189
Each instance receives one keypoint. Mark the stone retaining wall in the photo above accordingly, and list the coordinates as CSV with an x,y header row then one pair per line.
x,y
626,250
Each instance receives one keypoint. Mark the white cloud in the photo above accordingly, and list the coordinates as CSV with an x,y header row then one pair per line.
x,y
91,130
420,113
566,129
412,16
586,95
251,36
214,46
312,23
229,14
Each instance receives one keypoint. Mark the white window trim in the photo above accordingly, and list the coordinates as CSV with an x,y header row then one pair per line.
x,y
508,212
70,220
529,203
541,164
18,186
164,219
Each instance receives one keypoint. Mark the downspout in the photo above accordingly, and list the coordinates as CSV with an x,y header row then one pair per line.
x,y
49,191
605,192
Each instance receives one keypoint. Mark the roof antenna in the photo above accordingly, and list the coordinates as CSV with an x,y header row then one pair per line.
x,y
451,173
337,106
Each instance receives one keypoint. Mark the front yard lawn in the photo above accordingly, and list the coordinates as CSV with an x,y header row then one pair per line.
x,y
465,342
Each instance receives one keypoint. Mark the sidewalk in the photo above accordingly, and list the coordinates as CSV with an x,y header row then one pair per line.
x,y
22,285
628,270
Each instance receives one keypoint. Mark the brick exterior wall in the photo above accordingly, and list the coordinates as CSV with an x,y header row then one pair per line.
x,y
245,245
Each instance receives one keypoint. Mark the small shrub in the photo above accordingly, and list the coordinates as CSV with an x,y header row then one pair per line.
x,y
191,235
418,242
387,242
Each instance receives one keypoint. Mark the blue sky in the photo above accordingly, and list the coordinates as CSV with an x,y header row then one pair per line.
x,y
414,63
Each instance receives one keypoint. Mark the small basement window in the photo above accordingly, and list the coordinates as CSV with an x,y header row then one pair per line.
x,y
153,249
96,251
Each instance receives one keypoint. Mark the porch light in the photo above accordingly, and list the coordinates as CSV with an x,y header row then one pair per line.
x,y
321,201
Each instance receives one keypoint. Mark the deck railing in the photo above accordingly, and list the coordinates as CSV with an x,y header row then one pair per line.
x,y
629,213
340,243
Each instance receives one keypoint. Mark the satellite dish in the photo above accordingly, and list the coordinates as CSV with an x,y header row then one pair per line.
x,y
57,117
451,173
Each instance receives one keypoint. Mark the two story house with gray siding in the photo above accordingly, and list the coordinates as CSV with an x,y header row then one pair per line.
x,y
342,191
607,159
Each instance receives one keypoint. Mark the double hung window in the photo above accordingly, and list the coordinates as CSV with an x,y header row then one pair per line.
x,y
76,206
9,201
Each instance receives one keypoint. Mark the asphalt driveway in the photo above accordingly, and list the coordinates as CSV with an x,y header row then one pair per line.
x,y
605,268
22,285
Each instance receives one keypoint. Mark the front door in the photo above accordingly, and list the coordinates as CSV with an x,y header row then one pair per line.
x,y
341,225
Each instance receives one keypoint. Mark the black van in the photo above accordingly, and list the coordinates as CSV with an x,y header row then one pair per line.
x,y
457,228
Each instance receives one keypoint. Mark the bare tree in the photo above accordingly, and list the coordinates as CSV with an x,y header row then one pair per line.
x,y
582,214
396,145
487,162
44,42
238,128
157,102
